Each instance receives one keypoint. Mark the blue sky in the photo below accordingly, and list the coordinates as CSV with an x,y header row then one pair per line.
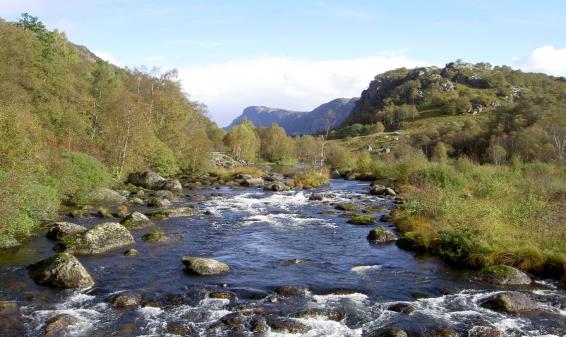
x,y
298,54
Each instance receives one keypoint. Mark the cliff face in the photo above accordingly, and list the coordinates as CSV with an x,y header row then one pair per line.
x,y
329,114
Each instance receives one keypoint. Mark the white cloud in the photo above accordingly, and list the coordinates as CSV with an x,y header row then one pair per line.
x,y
107,56
296,84
546,59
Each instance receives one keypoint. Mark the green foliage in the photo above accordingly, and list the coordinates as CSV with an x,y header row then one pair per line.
x,y
458,245
312,178
81,174
362,220
161,159
242,141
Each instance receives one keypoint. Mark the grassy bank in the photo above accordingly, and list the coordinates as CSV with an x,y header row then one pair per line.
x,y
479,215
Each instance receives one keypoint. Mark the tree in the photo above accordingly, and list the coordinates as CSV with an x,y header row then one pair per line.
x,y
439,152
274,143
242,141
496,154
306,149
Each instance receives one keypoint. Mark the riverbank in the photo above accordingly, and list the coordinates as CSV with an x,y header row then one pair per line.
x,y
477,216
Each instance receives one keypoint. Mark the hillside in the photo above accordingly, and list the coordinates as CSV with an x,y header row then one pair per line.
x,y
475,110
327,115
70,122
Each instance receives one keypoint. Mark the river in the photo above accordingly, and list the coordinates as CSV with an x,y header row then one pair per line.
x,y
259,234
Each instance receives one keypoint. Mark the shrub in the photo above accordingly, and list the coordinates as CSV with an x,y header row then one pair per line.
x,y
312,178
441,176
461,245
161,159
82,173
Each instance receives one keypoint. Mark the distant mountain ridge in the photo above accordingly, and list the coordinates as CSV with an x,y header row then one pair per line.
x,y
330,114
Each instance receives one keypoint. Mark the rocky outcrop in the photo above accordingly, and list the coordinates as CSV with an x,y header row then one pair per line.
x,y
98,239
509,302
203,266
381,235
59,230
136,220
105,196
502,275
62,270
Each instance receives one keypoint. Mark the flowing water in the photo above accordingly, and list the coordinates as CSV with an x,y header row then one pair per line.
x,y
258,234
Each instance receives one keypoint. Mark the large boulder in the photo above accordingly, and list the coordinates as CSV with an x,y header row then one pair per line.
x,y
509,302
103,195
153,181
203,266
252,182
98,239
136,220
381,235
62,270
59,230
503,275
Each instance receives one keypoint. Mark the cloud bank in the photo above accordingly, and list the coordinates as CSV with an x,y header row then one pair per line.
x,y
296,84
546,59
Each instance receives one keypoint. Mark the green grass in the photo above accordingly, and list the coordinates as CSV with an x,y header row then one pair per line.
x,y
362,220
312,178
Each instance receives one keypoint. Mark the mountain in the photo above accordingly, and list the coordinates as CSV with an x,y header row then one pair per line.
x,y
329,114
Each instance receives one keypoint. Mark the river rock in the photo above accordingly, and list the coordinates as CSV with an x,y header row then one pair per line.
x,y
222,295
62,270
381,190
60,230
155,236
103,195
443,332
503,275
131,252
404,308
59,324
252,182
278,324
172,212
381,235
8,307
276,187
331,314
158,202
509,302
173,185
387,332
290,291
316,197
203,266
136,220
147,179
197,197
259,325
98,239
180,329
136,201
127,299
485,331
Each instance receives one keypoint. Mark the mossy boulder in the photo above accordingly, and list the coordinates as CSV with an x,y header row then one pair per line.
x,y
362,220
503,275
99,239
346,207
203,266
509,302
59,230
155,236
136,220
62,270
381,235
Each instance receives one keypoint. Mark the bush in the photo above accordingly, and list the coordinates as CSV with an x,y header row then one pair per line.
x,y
81,174
161,159
441,176
461,245
312,178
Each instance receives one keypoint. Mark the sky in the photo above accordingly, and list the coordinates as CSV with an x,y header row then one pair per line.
x,y
298,54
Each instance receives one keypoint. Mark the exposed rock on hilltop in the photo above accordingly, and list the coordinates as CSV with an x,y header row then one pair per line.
x,y
329,114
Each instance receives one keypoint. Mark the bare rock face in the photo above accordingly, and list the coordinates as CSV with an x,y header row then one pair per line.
x,y
59,230
62,270
503,275
204,267
99,239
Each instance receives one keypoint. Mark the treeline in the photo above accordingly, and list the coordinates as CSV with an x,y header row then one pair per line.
x,y
70,121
